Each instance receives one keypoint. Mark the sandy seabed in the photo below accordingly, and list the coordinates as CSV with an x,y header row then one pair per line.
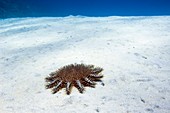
x,y
134,52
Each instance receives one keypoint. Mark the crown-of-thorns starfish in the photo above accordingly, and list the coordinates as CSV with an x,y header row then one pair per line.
x,y
77,75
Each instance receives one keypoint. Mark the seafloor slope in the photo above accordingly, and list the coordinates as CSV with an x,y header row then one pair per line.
x,y
134,52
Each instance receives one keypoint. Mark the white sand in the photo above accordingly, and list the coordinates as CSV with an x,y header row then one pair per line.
x,y
134,52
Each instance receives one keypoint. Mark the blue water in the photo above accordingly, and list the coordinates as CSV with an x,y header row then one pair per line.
x,y
36,8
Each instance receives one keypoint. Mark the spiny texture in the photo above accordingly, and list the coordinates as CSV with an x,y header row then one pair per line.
x,y
77,75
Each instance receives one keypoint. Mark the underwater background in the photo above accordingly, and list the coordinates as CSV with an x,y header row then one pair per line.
x,y
60,8
129,39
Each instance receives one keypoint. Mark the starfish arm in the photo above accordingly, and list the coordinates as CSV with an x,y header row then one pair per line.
x,y
79,86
